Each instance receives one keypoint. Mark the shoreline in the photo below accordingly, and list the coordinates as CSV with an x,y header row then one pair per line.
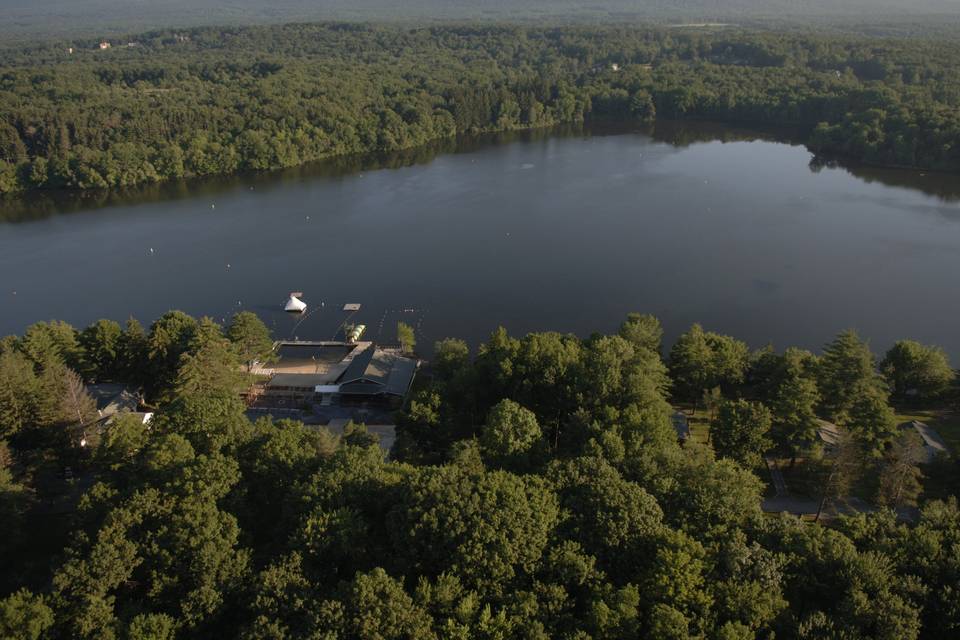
x,y
40,203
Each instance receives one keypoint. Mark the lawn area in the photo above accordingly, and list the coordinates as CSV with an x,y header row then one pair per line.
x,y
700,431
699,423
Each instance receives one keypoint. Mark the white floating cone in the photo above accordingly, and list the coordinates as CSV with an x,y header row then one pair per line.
x,y
294,303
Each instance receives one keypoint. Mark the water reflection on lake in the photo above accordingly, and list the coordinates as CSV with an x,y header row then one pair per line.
x,y
563,229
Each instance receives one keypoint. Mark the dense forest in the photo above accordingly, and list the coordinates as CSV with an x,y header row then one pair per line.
x,y
537,489
206,101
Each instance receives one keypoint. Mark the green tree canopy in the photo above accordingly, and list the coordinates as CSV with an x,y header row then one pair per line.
x,y
918,369
488,529
702,360
845,373
406,337
740,431
793,404
101,343
510,435
250,337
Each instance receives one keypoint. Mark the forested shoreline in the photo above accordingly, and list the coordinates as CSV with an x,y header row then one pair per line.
x,y
208,101
537,489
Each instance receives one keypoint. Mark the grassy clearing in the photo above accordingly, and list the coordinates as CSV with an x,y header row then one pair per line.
x,y
699,422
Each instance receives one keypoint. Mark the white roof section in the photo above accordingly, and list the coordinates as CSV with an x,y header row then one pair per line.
x,y
352,306
829,433
933,444
294,304
327,388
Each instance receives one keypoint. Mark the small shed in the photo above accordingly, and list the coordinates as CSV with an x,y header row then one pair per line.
x,y
376,372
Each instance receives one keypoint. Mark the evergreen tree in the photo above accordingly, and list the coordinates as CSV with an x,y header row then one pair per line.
x,y
133,353
642,331
101,343
845,373
250,337
900,473
19,388
691,362
793,405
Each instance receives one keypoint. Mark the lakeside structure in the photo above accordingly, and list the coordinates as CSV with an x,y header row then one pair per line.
x,y
112,400
311,375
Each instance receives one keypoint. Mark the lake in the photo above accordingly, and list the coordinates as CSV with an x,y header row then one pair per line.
x,y
565,230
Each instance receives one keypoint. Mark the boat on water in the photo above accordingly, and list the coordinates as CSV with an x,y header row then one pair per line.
x,y
294,303
354,332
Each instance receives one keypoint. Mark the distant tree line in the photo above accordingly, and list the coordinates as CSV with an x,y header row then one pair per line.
x,y
212,101
537,489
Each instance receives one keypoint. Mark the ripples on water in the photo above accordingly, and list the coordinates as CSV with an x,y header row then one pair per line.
x,y
564,229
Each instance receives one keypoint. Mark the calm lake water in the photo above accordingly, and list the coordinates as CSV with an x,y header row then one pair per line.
x,y
564,230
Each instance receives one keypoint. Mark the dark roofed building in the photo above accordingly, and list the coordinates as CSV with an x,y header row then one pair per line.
x,y
318,374
113,398
376,372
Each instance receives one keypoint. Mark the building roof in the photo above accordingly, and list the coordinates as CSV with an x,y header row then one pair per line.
x,y
828,432
358,367
113,398
327,388
401,376
307,381
92,433
310,356
375,371
144,417
933,444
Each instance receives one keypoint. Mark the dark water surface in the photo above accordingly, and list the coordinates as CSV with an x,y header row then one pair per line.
x,y
567,232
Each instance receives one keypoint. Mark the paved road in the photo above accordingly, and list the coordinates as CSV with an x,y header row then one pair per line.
x,y
790,504
784,501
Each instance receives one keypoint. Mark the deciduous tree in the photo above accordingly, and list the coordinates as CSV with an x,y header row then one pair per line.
x,y
740,431
915,368
510,434
406,337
